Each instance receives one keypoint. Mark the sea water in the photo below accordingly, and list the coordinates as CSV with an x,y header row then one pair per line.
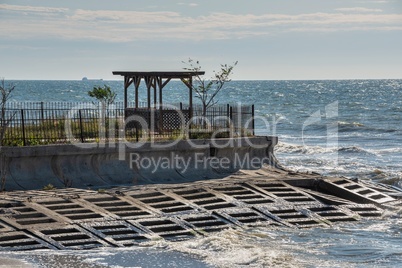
x,y
349,128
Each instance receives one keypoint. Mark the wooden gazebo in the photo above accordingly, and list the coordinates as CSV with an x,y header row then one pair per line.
x,y
156,81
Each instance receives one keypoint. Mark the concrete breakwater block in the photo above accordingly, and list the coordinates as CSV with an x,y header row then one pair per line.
x,y
72,218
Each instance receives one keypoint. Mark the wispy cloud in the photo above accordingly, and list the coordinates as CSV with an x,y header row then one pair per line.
x,y
359,9
124,26
32,9
375,1
188,4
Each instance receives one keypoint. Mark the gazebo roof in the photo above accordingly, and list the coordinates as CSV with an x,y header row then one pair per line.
x,y
161,74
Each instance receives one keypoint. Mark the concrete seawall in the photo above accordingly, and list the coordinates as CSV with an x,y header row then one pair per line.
x,y
173,201
94,165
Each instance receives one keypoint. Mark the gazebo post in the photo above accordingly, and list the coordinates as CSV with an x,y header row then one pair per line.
x,y
154,86
159,83
137,81
126,85
148,82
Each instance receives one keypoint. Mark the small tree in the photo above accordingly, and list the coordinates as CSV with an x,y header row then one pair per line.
x,y
106,97
103,94
206,90
4,121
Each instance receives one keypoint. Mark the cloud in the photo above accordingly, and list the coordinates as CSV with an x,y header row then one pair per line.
x,y
188,4
375,1
32,9
359,9
127,26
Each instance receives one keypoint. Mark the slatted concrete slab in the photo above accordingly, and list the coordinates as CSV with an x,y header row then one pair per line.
x,y
206,222
69,237
248,217
131,215
118,233
247,196
69,210
284,191
26,216
160,202
18,240
291,216
117,207
4,227
351,190
330,214
203,198
364,210
167,228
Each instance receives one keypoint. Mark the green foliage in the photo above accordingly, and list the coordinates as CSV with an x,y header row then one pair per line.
x,y
103,94
5,94
201,132
52,131
48,187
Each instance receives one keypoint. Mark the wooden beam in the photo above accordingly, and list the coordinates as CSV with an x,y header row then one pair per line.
x,y
127,83
189,83
137,81
148,82
164,83
186,81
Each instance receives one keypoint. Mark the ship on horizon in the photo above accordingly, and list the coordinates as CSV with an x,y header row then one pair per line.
x,y
86,79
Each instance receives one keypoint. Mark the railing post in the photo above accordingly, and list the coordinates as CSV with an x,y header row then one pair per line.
x,y
81,130
41,109
23,127
252,120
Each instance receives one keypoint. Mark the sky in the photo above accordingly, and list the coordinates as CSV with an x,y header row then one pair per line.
x,y
270,39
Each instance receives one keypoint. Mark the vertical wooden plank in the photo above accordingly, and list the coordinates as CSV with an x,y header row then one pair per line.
x,y
137,82
126,83
154,85
159,82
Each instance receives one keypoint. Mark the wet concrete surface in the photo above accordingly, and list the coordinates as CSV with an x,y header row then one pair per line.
x,y
126,216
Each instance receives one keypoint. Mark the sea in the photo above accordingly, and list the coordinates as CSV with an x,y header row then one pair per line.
x,y
350,128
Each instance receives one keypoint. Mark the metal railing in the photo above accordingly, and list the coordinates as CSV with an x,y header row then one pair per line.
x,y
37,123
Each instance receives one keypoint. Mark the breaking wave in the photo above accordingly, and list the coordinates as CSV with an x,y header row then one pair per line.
x,y
289,148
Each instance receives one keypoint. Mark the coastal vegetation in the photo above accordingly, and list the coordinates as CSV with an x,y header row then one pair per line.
x,y
5,118
103,94
207,89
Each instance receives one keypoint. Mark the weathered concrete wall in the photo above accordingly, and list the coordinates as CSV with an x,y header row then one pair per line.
x,y
125,164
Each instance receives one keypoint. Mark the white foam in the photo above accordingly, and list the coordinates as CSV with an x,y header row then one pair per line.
x,y
234,248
